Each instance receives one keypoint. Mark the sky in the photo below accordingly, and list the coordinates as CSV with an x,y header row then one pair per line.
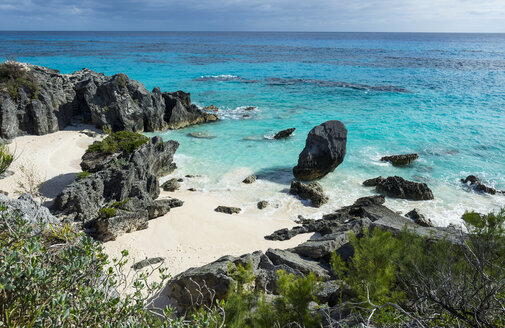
x,y
255,15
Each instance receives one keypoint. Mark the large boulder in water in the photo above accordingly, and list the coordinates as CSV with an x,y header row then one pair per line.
x,y
324,151
398,187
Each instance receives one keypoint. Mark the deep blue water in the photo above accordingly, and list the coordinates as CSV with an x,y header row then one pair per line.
x,y
440,95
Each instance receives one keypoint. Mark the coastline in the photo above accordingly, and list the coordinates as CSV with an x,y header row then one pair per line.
x,y
188,236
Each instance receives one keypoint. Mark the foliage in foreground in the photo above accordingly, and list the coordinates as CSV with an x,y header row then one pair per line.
x,y
406,280
6,158
121,141
59,278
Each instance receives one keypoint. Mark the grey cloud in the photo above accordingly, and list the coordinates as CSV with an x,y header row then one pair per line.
x,y
259,15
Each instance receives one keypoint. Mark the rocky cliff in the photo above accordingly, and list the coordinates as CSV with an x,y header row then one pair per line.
x,y
38,100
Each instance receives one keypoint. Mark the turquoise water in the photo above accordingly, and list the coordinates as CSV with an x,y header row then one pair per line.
x,y
440,95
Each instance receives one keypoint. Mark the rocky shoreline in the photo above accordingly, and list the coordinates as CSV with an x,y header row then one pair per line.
x,y
120,191
39,100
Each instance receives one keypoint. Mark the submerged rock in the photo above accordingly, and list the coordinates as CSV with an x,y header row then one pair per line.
x,y
400,160
262,204
202,135
284,133
312,191
250,179
398,187
47,101
211,107
477,184
228,209
324,150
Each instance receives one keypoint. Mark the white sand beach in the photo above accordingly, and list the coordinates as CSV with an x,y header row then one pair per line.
x,y
188,236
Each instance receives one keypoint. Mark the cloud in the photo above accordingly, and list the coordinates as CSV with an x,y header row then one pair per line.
x,y
258,15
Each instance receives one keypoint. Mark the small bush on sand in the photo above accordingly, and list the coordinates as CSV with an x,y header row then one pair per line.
x,y
6,158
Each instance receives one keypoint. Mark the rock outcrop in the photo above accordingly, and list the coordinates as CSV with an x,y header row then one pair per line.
x,y
227,209
419,218
284,133
398,187
171,185
127,179
192,287
29,210
324,150
400,160
250,179
312,191
45,101
477,185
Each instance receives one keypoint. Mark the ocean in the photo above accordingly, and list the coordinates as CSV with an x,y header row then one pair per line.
x,y
439,95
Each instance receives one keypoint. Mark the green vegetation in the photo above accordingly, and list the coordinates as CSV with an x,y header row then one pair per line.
x,y
60,278
107,212
6,158
82,175
122,80
13,77
113,209
409,280
121,141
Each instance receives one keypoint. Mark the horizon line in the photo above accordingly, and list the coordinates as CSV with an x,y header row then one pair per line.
x,y
248,31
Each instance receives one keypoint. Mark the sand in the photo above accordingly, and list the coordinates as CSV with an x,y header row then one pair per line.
x,y
52,159
188,236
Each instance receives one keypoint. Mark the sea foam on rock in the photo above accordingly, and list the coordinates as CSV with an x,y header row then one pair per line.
x,y
324,150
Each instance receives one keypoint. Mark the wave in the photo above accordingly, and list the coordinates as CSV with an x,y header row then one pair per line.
x,y
335,84
223,78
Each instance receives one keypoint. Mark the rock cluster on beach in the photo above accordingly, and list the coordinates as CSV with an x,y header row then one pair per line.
x,y
130,180
311,256
324,150
49,101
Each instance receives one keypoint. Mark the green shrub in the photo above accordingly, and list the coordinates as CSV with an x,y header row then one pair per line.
x,y
122,80
107,212
82,175
121,141
63,279
249,307
13,76
6,158
405,278
119,204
